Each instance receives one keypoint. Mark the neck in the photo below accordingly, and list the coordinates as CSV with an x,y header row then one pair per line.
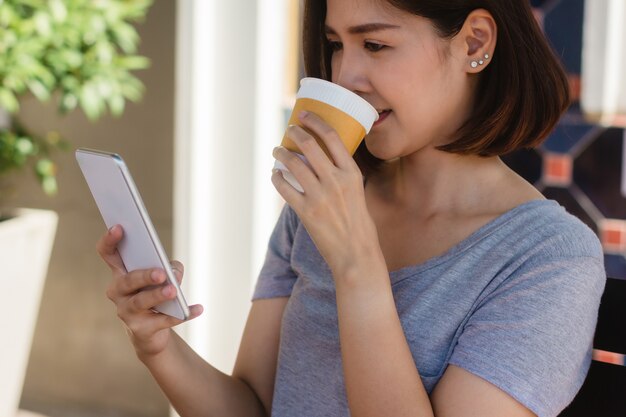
x,y
433,182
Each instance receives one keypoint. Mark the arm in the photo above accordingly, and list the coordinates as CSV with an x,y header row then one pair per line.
x,y
370,330
193,386
380,374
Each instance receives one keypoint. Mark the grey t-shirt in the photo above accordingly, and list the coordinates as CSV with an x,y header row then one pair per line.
x,y
515,303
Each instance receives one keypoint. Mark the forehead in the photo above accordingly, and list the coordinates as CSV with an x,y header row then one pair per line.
x,y
351,12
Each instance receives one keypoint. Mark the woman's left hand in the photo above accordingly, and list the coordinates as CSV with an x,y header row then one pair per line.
x,y
332,206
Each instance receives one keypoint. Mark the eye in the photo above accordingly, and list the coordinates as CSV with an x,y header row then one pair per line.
x,y
374,47
335,45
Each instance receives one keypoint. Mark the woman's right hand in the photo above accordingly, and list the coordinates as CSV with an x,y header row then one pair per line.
x,y
136,293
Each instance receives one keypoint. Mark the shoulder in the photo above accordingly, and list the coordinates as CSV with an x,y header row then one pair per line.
x,y
540,245
532,329
545,226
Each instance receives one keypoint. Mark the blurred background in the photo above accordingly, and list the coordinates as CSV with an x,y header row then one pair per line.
x,y
218,81
190,141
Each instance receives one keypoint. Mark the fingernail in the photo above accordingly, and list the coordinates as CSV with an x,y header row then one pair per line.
x,y
155,275
303,114
167,291
112,229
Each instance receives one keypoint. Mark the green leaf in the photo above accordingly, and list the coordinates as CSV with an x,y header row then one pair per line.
x,y
117,104
104,52
133,62
95,29
72,58
7,15
49,185
70,83
132,88
68,102
8,101
58,10
14,82
43,23
90,101
39,90
82,49
126,36
45,167
24,146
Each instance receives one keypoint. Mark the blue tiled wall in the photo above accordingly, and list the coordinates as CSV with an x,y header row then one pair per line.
x,y
593,192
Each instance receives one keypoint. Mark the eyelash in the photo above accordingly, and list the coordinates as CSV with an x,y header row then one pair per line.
x,y
370,46
334,46
374,47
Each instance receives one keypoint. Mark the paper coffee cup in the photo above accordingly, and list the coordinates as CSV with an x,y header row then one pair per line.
x,y
348,113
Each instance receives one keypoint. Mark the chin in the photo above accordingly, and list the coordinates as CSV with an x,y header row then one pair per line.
x,y
380,150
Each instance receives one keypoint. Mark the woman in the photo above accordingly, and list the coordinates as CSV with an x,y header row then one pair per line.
x,y
423,277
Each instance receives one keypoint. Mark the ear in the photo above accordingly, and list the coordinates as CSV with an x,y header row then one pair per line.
x,y
476,41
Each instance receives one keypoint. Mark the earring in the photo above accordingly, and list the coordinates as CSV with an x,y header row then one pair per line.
x,y
481,62
473,64
486,56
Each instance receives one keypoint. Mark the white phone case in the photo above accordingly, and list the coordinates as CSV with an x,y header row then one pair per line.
x,y
119,202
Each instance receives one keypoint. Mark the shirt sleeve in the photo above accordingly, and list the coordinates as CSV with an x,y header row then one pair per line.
x,y
532,336
277,277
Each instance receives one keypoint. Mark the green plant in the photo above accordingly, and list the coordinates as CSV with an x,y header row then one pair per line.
x,y
80,52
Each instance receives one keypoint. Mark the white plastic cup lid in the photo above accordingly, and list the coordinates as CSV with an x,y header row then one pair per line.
x,y
339,97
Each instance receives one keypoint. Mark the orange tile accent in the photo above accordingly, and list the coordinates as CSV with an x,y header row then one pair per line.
x,y
613,236
557,169
608,357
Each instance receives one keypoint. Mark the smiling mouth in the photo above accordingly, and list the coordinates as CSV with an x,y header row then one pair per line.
x,y
382,115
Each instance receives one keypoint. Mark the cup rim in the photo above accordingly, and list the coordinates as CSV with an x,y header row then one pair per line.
x,y
341,98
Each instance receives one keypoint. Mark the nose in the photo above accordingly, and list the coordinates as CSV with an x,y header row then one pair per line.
x,y
350,72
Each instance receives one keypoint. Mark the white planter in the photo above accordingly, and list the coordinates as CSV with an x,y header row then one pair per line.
x,y
25,245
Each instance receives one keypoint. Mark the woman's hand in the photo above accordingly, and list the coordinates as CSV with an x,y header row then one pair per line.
x,y
332,207
136,293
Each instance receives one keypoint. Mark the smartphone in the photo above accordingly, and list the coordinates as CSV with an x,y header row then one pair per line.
x,y
119,202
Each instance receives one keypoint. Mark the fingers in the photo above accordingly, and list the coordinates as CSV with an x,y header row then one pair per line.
x,y
329,136
128,284
145,326
309,145
286,190
318,167
107,248
298,167
148,299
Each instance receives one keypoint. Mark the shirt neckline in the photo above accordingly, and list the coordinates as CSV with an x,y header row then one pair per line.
x,y
471,240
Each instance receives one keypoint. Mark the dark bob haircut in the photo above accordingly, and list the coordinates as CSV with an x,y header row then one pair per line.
x,y
520,96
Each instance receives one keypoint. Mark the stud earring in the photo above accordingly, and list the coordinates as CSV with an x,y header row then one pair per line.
x,y
473,64
481,62
486,56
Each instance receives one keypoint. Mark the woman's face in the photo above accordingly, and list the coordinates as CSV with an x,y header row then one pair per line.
x,y
397,62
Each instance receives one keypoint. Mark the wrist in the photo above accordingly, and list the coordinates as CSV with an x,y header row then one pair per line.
x,y
150,356
363,268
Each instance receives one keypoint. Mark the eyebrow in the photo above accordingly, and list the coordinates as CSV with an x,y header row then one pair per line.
x,y
366,28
